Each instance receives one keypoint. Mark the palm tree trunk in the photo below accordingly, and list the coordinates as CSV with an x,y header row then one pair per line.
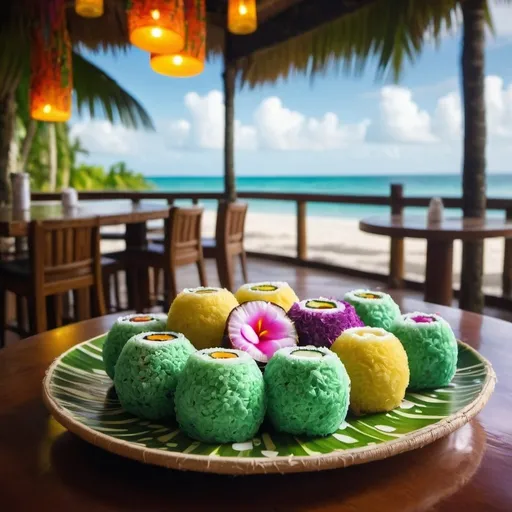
x,y
27,144
64,154
52,144
229,77
7,115
475,135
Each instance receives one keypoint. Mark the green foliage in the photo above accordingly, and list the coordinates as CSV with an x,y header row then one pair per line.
x,y
118,177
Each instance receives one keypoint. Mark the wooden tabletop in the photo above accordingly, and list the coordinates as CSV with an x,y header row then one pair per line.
x,y
44,467
450,228
15,223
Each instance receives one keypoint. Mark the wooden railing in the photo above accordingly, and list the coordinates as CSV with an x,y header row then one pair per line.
x,y
395,200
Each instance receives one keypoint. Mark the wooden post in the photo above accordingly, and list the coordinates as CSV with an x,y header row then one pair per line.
x,y
302,243
396,251
507,262
195,201
229,77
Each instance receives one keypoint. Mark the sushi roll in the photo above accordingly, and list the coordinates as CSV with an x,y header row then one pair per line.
x,y
220,396
320,321
279,293
147,373
431,348
308,391
201,314
376,309
260,329
124,328
377,366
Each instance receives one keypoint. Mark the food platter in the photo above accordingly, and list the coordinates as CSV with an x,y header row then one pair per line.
x,y
81,397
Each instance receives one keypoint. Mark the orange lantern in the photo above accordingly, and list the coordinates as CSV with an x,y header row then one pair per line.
x,y
89,8
190,61
51,73
242,17
157,25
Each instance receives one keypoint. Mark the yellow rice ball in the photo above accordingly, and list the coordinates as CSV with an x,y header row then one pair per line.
x,y
277,292
201,314
378,368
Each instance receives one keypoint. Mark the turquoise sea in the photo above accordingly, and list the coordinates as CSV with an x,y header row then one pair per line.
x,y
498,185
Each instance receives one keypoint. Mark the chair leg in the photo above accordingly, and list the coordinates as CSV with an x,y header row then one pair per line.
x,y
172,288
55,310
243,261
3,294
202,272
20,314
38,314
117,292
107,291
225,270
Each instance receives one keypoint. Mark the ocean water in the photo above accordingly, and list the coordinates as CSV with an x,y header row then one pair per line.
x,y
414,185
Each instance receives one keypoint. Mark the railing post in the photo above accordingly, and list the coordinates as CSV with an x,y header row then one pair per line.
x,y
302,243
170,202
507,261
396,253
135,201
195,201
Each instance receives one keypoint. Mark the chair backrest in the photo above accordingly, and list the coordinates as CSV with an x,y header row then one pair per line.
x,y
183,234
65,254
230,228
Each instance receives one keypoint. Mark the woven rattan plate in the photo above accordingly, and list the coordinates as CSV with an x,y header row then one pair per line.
x,y
81,397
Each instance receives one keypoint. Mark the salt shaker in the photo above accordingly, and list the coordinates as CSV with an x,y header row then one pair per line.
x,y
20,185
69,198
435,210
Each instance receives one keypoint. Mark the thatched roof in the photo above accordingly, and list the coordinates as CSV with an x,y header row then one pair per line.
x,y
284,41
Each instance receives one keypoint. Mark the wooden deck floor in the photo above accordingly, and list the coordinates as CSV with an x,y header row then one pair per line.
x,y
307,282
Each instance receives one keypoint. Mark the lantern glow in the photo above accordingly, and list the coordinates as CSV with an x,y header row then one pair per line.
x,y
51,81
89,8
157,26
189,61
242,16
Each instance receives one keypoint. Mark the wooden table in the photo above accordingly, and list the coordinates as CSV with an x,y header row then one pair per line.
x,y
44,467
134,216
440,237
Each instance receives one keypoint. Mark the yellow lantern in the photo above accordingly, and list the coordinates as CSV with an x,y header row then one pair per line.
x,y
157,26
242,17
51,73
190,61
89,8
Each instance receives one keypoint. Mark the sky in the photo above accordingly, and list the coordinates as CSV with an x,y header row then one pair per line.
x,y
335,125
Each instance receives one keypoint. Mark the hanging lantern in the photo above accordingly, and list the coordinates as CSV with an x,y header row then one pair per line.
x,y
157,25
89,8
242,17
51,79
190,61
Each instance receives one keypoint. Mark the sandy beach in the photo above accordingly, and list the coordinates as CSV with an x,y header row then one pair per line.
x,y
338,241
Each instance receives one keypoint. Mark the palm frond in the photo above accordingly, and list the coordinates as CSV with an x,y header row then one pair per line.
x,y
388,33
97,91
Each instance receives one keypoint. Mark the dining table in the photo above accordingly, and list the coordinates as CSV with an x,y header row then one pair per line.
x,y
45,467
440,236
134,216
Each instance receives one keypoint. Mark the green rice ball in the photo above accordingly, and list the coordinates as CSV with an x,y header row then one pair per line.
x,y
376,309
147,373
308,391
431,349
220,396
124,328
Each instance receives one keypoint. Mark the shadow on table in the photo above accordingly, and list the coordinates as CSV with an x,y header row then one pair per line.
x,y
411,481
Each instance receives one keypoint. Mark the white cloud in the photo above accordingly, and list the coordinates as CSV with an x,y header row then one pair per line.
x,y
283,129
103,137
400,118
447,122
502,19
207,114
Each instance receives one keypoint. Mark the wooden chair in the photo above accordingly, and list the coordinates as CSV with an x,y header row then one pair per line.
x,y
228,242
64,256
182,246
